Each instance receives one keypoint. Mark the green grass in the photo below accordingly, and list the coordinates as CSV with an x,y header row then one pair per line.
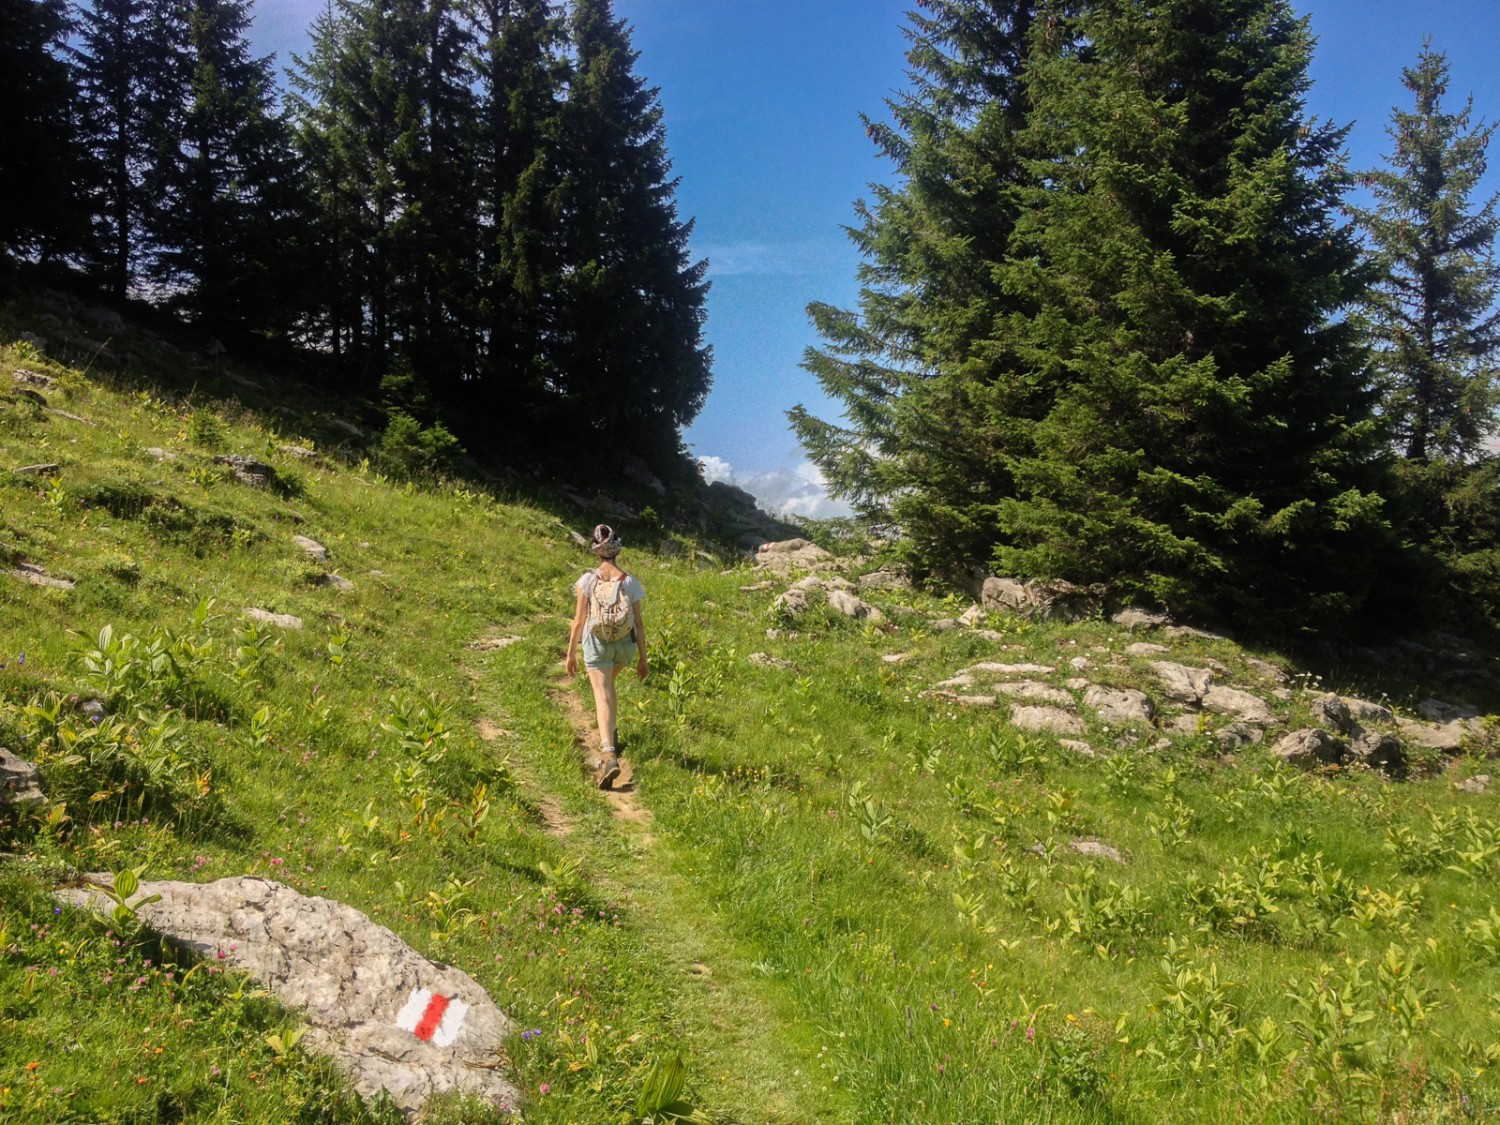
x,y
853,903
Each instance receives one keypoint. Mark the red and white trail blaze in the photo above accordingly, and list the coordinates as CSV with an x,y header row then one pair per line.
x,y
432,1018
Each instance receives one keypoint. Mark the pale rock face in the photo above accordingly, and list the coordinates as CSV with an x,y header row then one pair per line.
x,y
1443,737
1363,711
279,620
1308,749
1241,704
1120,705
1333,713
1141,619
997,669
1435,710
314,549
1180,683
389,1018
1380,750
1233,736
851,605
20,781
1051,720
1146,648
1097,849
1036,690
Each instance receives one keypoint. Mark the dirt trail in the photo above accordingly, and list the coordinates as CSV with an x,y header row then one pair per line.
x,y
621,796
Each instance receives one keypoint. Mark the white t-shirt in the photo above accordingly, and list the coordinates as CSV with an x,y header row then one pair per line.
x,y
634,591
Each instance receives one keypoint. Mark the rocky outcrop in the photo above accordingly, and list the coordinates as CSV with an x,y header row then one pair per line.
x,y
1049,601
1049,720
1240,704
390,1019
1119,705
30,572
1310,748
791,555
1182,684
20,781
247,470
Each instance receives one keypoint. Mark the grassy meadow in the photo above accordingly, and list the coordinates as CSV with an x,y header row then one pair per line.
x,y
838,900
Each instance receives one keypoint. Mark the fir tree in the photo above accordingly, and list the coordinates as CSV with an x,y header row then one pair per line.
x,y
41,161
225,182
1433,312
1149,368
627,359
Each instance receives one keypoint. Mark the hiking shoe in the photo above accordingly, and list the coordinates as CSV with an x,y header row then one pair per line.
x,y
607,768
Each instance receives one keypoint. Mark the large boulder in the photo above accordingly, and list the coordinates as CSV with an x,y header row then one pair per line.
x,y
1054,600
791,555
1119,705
1380,750
1308,749
1180,683
247,470
851,605
20,781
390,1019
1051,720
1241,704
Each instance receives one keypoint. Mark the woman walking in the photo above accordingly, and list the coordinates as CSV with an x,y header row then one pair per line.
x,y
607,618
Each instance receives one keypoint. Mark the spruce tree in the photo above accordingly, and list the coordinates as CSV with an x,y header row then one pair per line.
x,y
1433,312
628,364
223,179
41,160
1161,380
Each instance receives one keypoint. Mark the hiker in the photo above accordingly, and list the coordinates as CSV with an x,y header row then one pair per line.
x,y
607,617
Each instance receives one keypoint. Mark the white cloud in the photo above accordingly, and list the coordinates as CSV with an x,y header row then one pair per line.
x,y
800,490
773,259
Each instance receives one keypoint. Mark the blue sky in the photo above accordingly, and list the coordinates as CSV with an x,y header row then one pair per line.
x,y
762,101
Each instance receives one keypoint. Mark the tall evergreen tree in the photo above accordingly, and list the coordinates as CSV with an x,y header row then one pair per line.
x,y
922,352
41,160
117,61
520,86
628,361
224,177
1166,389
1434,314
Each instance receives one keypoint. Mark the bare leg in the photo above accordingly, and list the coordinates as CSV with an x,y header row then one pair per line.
x,y
605,702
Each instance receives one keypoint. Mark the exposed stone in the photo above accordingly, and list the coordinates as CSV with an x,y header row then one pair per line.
x,y
1078,683
1188,723
1435,710
71,417
20,781
1476,784
495,643
1309,749
755,586
892,657
1240,704
1049,601
1035,689
1446,738
832,583
794,602
1146,648
1080,663
1380,750
156,453
336,581
1119,705
1182,684
1178,631
971,700
1363,711
299,451
766,660
1082,749
314,549
790,555
1266,669
972,616
1052,720
959,681
996,669
577,540
1332,712
248,470
33,379
280,620
885,579
30,572
390,1019
1140,619
1233,736
1097,849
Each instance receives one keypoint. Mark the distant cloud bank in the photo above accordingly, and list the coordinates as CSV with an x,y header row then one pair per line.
x,y
798,491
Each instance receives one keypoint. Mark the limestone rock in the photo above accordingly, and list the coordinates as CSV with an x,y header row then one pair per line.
x,y
248,470
1082,749
1141,619
314,549
1332,712
1363,711
1178,631
1309,749
972,616
961,680
1380,750
1119,705
794,602
336,581
33,379
1435,710
884,579
156,453
1080,663
790,555
280,620
1051,720
495,643
1146,648
30,572
1446,738
766,660
1049,601
1097,849
996,669
390,1019
1241,704
1233,736
892,657
757,586
1188,724
1035,690
1182,684
1266,669
1476,784
1078,683
942,625
43,470
20,781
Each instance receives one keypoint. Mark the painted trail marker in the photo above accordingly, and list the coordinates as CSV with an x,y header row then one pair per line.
x,y
432,1018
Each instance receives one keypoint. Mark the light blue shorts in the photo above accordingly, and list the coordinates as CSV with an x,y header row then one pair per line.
x,y
607,654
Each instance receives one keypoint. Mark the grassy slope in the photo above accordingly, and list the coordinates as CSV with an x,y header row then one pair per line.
x,y
837,912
